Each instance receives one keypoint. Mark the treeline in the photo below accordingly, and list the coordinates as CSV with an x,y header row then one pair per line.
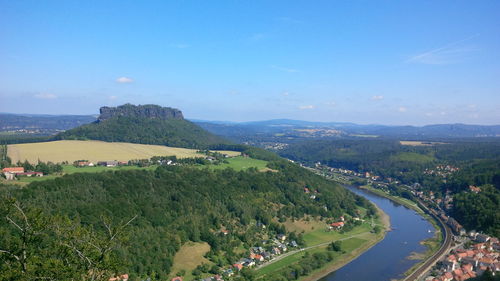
x,y
171,132
176,204
254,152
23,138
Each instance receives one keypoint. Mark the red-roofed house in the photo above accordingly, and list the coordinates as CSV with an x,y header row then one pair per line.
x,y
13,170
259,257
10,173
337,225
238,266
178,278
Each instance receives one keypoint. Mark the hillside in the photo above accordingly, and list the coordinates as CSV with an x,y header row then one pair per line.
x,y
146,124
175,205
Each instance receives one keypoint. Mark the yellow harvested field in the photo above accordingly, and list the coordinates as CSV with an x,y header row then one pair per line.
x,y
189,256
72,150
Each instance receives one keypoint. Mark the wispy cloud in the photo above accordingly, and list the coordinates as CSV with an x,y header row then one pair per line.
x,y
402,109
330,103
285,69
180,45
112,97
375,98
45,96
306,107
124,80
450,53
285,94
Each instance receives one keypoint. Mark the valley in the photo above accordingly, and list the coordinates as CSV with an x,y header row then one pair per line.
x,y
233,211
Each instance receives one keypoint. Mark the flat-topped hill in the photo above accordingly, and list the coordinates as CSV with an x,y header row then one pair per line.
x,y
145,124
151,111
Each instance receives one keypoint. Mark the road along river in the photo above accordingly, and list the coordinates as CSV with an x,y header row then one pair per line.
x,y
388,260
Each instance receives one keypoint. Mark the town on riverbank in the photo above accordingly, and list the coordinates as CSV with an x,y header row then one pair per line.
x,y
456,255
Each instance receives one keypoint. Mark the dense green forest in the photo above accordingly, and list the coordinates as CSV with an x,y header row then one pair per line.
x,y
479,211
172,132
175,204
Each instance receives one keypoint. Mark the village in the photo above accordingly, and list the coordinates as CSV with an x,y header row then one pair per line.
x,y
473,256
269,250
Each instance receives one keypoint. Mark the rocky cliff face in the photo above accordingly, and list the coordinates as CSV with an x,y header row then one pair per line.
x,y
144,111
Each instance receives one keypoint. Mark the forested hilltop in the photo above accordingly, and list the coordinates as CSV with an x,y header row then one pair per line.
x,y
146,124
175,204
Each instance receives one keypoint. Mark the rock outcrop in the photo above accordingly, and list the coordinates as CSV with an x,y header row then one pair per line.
x,y
142,111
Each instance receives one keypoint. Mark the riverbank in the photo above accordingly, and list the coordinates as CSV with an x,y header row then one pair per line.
x,y
344,259
432,244
354,243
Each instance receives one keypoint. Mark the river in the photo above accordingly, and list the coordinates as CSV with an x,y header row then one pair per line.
x,y
388,259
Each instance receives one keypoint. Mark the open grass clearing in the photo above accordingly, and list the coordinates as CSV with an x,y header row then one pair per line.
x,y
322,235
242,163
72,150
189,256
303,225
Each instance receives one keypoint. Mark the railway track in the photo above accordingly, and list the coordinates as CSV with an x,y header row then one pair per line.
x,y
445,247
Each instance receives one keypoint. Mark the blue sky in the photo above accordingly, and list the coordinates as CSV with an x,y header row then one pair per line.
x,y
386,62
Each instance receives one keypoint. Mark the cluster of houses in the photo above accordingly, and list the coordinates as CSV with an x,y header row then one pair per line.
x,y
278,246
12,173
465,263
442,170
112,163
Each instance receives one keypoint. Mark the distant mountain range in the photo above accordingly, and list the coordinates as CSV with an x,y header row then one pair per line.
x,y
283,127
53,124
